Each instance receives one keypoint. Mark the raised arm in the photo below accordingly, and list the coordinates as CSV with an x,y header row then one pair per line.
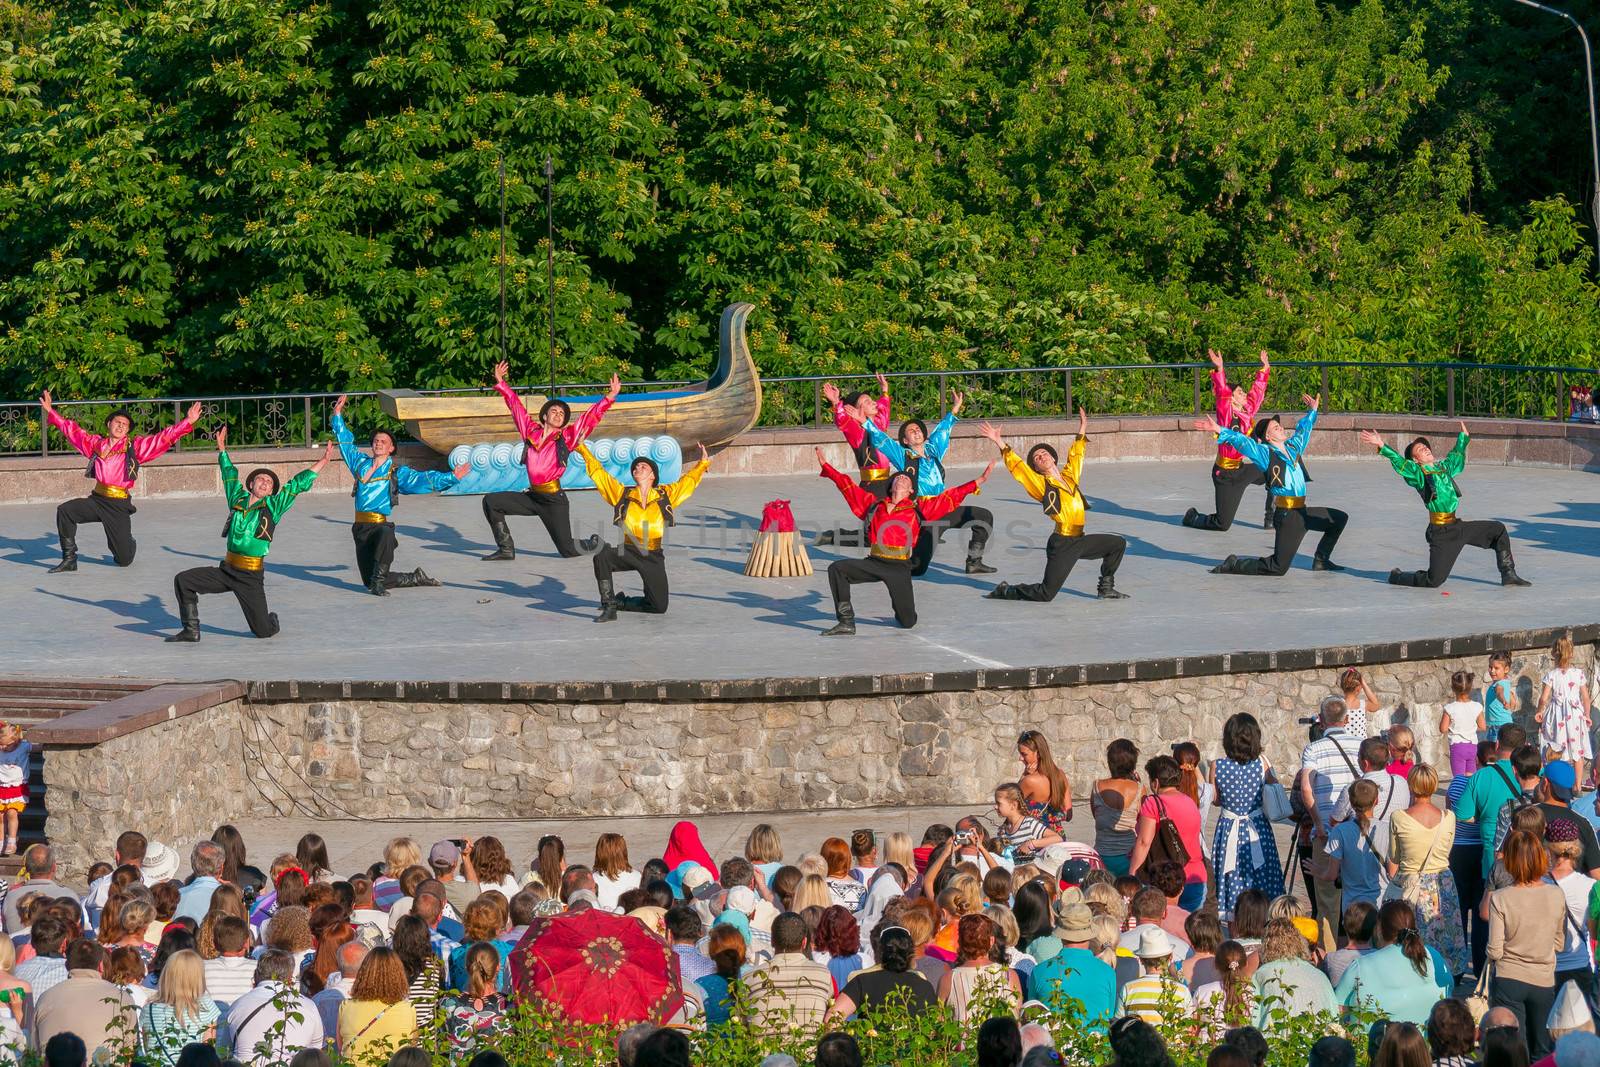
x,y
82,440
1221,391
937,507
1301,437
1456,461
684,487
882,417
283,499
148,446
609,487
1074,464
580,428
859,500
232,491
358,461
519,414
1258,388
939,439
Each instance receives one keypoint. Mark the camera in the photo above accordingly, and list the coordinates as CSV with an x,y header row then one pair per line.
x,y
1314,727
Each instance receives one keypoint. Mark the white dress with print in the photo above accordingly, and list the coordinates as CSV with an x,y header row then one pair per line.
x,y
1564,729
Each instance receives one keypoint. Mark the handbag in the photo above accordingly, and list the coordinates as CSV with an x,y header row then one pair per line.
x,y
1168,843
1478,1001
1275,804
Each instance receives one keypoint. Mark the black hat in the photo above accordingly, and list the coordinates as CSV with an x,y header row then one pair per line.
x,y
655,468
903,474
1260,430
918,423
269,472
850,400
1412,447
1042,447
566,409
120,413
386,433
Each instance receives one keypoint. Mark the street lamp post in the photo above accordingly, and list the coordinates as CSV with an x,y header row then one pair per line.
x,y
1594,131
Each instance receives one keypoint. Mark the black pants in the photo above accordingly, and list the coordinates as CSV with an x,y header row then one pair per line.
x,y
1466,867
894,574
375,544
115,515
980,519
1230,486
1291,525
1530,1004
1445,544
248,587
1061,553
650,566
551,508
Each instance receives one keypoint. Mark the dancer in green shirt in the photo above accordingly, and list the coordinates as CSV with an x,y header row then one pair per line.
x,y
1434,480
257,507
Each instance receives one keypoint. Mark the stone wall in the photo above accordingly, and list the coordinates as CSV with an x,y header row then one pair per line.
x,y
342,758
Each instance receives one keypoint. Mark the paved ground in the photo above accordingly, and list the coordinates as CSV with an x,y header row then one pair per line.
x,y
530,620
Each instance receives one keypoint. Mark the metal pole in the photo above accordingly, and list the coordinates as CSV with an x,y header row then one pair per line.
x,y
550,261
503,357
1594,128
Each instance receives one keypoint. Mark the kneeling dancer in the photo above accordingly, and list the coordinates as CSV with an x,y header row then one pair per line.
x,y
1058,491
1236,409
257,508
546,445
893,525
643,514
379,481
1277,452
1435,480
114,461
921,455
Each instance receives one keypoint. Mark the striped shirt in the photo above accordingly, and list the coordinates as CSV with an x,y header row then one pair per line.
x,y
1466,832
1330,772
228,978
1153,996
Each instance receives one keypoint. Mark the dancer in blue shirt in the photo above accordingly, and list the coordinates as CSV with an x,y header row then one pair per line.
x,y
921,455
1277,452
380,480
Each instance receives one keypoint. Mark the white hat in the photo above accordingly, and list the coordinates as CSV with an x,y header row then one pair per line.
x,y
695,877
741,898
160,863
1570,1010
1153,944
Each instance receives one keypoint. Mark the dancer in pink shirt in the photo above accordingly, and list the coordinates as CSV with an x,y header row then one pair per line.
x,y
851,413
1236,410
548,442
114,461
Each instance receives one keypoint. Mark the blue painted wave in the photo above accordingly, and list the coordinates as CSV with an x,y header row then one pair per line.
x,y
498,468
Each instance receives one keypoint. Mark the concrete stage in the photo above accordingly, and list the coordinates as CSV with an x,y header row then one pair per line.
x,y
531,620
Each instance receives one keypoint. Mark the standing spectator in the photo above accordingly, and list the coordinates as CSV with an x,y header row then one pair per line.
x,y
1373,759
1527,930
47,966
1114,803
1460,723
1168,802
1466,861
1500,695
1155,994
377,1017
84,1003
1401,744
180,1012
480,1013
791,989
1556,795
1564,714
1045,790
40,863
1488,792
1353,854
1287,985
1360,702
975,977
194,900
1020,833
273,1021
351,955
1398,979
613,875
231,974
1575,961
1328,766
1245,851
1420,840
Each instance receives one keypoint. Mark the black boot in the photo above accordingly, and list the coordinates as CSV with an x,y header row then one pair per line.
x,y
504,548
976,565
608,602
1193,519
1508,567
189,615
69,556
1320,564
632,603
1108,588
272,622
824,538
1411,578
1003,591
1226,566
379,586
846,626
590,543
420,577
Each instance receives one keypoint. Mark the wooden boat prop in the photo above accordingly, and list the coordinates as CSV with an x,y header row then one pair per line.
x,y
714,413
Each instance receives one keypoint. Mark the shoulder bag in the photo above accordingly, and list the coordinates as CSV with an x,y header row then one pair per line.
x,y
1168,843
1275,804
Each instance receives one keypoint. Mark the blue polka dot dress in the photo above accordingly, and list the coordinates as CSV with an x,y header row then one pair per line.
x,y
1243,849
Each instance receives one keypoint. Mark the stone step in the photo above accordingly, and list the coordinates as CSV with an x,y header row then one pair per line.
x,y
19,709
96,694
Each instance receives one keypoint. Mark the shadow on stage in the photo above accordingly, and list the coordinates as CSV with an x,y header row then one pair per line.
x,y
548,594
31,550
149,614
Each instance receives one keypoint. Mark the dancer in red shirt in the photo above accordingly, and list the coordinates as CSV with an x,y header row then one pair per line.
x,y
893,524
1236,410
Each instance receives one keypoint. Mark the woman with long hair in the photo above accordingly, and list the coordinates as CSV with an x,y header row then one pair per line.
x,y
549,863
1114,803
225,900
1035,921
1359,701
613,874
1244,850
1420,840
413,944
1403,1046
1044,784
1230,1000
726,948
180,1012
1286,984
785,885
764,849
236,867
842,889
290,883
484,862
481,926
331,930
311,853
1397,978
481,1012
976,979
377,1017
1168,802
897,848
812,892
1527,931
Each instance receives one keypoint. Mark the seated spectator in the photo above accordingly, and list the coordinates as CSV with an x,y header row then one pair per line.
x,y
791,989
1403,1046
126,970
892,982
666,1048
1287,986
1450,1034
1332,1051
1397,979
480,1013
180,1012
377,1016
999,1042
1149,909
231,974
85,1004
613,874
1230,1000
480,926
273,1021
66,1050
14,992
40,863
48,964
424,972
1156,993
838,1050
1359,923
337,989
837,945
843,889
205,860
1135,1043
719,989
1204,932
1074,976
976,978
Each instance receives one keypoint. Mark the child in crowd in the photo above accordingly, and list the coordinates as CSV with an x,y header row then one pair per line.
x,y
1563,714
1460,724
1359,701
14,756
1401,743
1500,699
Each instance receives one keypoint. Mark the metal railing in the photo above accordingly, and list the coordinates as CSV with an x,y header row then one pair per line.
x,y
1456,390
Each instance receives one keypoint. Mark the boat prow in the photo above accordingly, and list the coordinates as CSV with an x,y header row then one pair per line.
x,y
712,413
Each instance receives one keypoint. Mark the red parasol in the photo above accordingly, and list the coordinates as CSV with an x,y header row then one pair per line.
x,y
595,967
